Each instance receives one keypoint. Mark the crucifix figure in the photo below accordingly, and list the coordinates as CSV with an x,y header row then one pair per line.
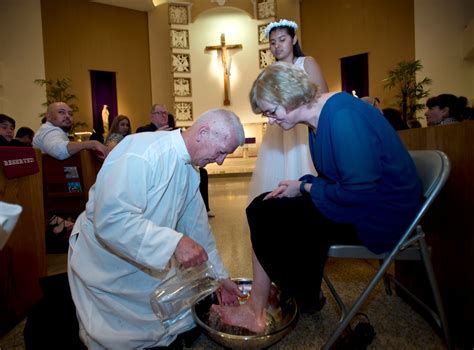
x,y
225,64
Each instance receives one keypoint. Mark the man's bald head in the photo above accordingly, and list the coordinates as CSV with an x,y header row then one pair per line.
x,y
60,114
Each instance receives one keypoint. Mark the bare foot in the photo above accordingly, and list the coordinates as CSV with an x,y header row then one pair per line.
x,y
241,316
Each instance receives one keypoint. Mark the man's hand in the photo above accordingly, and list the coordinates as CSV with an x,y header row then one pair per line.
x,y
102,150
229,293
287,188
164,128
190,253
74,147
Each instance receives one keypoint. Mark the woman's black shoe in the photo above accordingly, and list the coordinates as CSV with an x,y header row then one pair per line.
x,y
311,307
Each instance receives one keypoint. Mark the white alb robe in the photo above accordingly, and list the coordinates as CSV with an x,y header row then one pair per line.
x,y
145,198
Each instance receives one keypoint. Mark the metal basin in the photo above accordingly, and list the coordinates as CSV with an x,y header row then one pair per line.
x,y
283,318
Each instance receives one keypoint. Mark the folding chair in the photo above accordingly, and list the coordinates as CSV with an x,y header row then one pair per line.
x,y
433,169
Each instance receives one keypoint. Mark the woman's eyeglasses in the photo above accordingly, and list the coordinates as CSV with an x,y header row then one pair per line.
x,y
270,114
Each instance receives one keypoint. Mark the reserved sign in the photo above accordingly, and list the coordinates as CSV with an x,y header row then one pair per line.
x,y
18,161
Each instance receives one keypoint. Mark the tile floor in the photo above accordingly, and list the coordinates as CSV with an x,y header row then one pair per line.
x,y
396,324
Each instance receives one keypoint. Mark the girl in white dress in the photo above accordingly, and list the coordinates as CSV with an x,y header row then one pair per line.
x,y
285,154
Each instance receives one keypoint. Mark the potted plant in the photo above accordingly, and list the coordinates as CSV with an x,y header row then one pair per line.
x,y
410,91
58,91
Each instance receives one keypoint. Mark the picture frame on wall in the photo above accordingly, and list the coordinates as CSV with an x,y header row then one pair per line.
x,y
183,111
179,38
266,9
182,87
265,58
262,38
178,14
181,62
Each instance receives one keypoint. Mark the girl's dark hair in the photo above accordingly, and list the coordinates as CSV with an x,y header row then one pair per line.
x,y
5,118
457,105
297,51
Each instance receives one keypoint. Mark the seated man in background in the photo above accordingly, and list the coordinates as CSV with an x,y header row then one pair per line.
x,y
52,137
23,138
144,215
159,119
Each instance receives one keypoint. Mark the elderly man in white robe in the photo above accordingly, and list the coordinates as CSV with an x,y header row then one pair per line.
x,y
145,211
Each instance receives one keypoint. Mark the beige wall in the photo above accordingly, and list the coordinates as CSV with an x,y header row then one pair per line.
x,y
160,57
21,61
80,36
332,30
439,31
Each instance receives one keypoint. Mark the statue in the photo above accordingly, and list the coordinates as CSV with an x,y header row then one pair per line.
x,y
105,119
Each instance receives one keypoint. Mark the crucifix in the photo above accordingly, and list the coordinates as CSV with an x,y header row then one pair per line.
x,y
225,64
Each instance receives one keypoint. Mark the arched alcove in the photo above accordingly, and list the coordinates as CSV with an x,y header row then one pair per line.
x,y
207,71
199,7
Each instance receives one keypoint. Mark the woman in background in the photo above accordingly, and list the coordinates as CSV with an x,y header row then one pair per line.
x,y
285,155
445,109
119,128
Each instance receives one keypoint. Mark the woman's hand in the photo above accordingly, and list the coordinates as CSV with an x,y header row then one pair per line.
x,y
229,293
286,188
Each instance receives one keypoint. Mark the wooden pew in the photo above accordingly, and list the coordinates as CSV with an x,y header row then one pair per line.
x,y
66,186
90,167
59,179
449,226
23,259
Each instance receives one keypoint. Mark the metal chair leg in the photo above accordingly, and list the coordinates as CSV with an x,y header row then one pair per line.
x,y
443,323
336,297
356,306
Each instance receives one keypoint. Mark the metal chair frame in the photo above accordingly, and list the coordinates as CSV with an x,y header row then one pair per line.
x,y
433,168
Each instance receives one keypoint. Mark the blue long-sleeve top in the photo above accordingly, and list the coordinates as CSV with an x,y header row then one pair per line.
x,y
366,177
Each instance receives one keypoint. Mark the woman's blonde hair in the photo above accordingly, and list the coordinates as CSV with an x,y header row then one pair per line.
x,y
283,84
115,125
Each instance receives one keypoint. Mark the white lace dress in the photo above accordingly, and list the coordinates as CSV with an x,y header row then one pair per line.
x,y
283,155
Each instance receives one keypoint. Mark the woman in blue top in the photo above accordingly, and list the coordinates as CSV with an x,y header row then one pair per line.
x,y
367,191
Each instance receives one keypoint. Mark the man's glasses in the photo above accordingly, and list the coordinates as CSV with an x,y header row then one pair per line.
x,y
160,112
270,114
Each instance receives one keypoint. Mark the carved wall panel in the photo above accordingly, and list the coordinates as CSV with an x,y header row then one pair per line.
x,y
179,38
266,58
262,38
182,87
178,14
266,9
183,111
181,63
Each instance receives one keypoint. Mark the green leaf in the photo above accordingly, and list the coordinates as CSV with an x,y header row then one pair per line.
x,y
408,90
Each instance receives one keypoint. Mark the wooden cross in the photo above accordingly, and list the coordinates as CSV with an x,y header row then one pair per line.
x,y
224,56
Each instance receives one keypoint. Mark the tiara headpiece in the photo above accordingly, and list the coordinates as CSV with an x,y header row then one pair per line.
x,y
280,23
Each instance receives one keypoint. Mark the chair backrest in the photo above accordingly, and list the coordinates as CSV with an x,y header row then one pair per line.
x,y
433,169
